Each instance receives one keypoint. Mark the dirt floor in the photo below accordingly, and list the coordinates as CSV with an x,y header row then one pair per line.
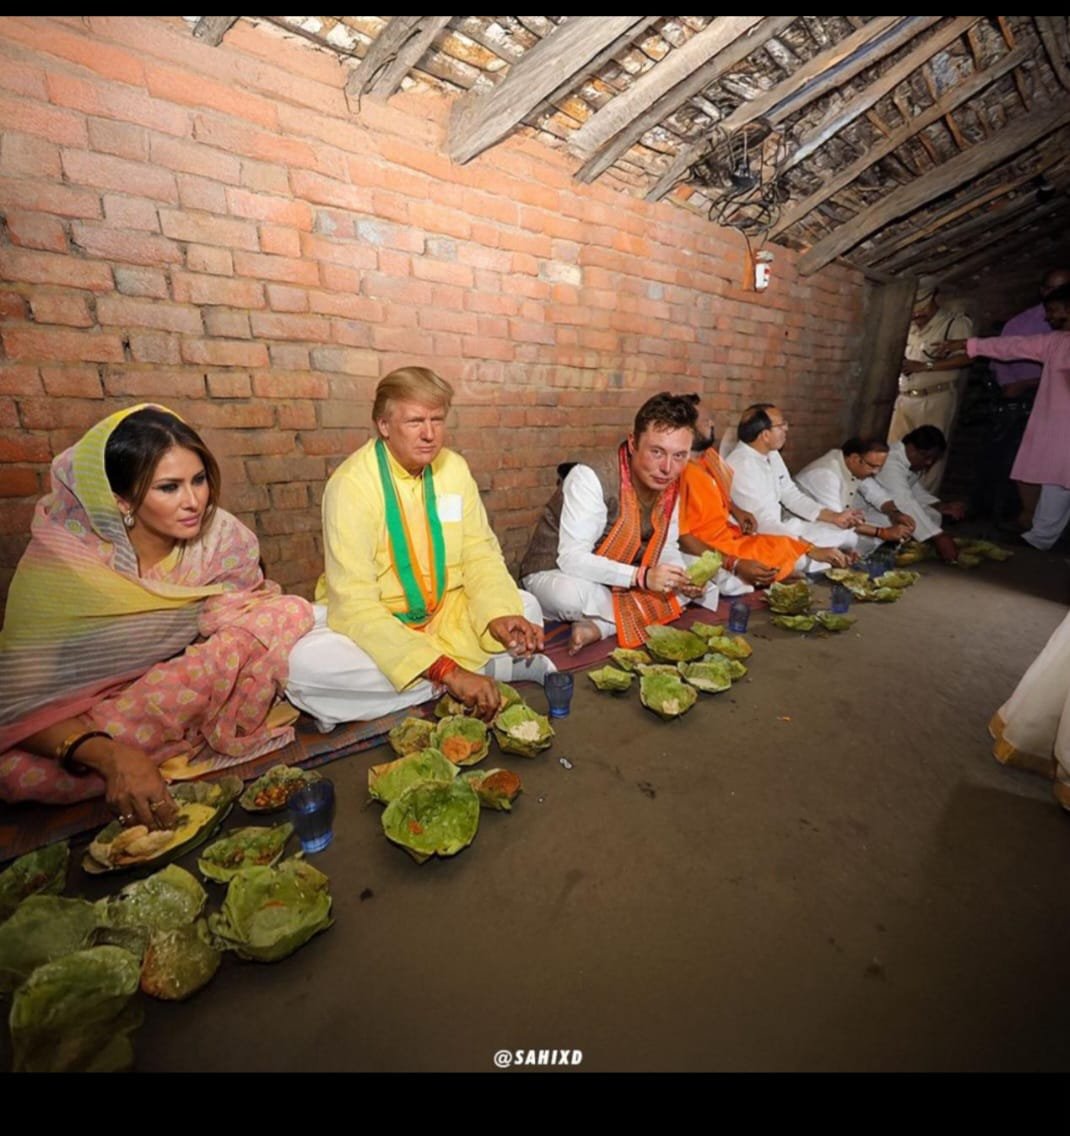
x,y
822,869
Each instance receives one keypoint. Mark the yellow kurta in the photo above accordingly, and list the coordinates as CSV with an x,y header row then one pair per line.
x,y
362,589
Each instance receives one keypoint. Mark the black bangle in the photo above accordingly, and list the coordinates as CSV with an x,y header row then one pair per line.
x,y
68,747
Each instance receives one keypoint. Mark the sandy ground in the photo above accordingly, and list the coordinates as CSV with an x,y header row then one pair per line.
x,y
822,869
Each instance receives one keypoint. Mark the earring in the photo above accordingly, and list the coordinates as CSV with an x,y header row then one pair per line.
x,y
128,520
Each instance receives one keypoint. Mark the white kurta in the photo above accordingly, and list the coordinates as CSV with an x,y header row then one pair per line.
x,y
579,588
762,485
903,486
833,486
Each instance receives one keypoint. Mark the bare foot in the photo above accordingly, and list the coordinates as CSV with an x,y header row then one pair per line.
x,y
584,633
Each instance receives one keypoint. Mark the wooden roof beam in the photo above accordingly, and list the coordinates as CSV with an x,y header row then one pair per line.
x,y
1005,242
861,49
689,88
957,95
478,121
1055,45
212,29
396,50
880,87
1013,139
679,66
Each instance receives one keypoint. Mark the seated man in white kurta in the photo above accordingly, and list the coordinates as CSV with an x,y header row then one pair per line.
x,y
605,554
844,479
762,485
416,596
900,480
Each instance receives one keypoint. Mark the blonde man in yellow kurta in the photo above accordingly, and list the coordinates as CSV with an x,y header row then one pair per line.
x,y
416,593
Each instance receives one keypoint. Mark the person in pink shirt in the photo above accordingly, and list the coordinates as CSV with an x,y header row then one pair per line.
x,y
1044,455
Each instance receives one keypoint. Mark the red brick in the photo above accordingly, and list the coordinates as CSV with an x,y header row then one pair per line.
x,y
223,231
234,415
24,447
16,518
153,347
192,288
229,386
234,138
257,442
50,38
402,339
66,308
340,280
22,79
118,138
13,306
131,213
226,324
205,258
481,347
140,282
49,343
390,206
346,304
18,482
46,197
192,90
276,268
265,177
282,298
22,155
164,383
106,172
264,207
224,353
187,157
19,380
335,414
433,319
276,384
289,496
72,382
263,471
433,218
443,272
345,360
403,291
200,193
279,241
296,415
351,254
289,356
36,230
47,122
53,413
267,325
124,247
394,263
351,333
130,312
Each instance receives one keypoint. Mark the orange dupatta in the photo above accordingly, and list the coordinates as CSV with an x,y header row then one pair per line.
x,y
633,609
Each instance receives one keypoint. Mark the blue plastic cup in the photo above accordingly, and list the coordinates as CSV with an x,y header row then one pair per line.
x,y
738,617
312,815
559,686
840,600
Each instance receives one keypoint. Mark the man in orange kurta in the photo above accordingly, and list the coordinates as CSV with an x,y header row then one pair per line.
x,y
706,521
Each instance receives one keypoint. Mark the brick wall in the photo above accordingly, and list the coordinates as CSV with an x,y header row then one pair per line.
x,y
215,229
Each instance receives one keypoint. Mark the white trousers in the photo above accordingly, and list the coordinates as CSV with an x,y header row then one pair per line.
x,y
1051,517
569,598
820,533
335,681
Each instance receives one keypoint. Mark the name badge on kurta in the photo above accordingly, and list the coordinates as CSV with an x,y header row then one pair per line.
x,y
450,507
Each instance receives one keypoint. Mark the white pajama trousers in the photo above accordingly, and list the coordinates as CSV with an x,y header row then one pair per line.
x,y
1051,517
335,681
